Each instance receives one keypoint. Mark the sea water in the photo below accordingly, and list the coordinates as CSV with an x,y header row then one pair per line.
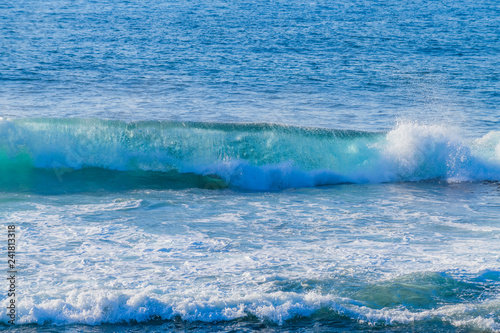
x,y
251,165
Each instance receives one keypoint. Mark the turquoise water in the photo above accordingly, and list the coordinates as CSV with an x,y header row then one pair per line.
x,y
251,166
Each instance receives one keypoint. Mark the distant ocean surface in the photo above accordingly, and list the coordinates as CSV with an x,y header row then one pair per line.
x,y
247,166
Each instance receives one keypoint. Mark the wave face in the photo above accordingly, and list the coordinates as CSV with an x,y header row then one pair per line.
x,y
35,153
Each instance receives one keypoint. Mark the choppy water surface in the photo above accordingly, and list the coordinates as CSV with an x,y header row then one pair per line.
x,y
251,166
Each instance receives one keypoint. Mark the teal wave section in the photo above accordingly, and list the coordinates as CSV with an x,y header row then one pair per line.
x,y
94,153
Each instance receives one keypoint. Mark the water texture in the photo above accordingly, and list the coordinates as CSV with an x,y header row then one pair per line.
x,y
275,166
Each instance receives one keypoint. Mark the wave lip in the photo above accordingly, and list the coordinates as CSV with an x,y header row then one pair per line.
x,y
240,156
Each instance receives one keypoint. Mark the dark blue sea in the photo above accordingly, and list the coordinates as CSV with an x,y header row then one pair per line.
x,y
241,166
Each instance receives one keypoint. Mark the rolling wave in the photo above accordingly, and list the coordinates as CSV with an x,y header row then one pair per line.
x,y
418,299
87,154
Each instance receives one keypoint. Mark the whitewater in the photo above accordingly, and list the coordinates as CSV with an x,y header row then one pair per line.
x,y
179,223
243,166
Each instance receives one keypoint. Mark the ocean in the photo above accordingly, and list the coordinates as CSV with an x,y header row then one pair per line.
x,y
271,166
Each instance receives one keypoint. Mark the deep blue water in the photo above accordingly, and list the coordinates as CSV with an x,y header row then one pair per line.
x,y
252,165
354,65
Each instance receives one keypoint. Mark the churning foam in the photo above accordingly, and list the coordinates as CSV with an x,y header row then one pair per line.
x,y
94,308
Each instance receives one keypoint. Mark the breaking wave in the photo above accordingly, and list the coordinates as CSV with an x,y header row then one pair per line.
x,y
417,298
41,153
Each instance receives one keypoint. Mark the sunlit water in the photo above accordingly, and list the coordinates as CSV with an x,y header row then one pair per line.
x,y
249,166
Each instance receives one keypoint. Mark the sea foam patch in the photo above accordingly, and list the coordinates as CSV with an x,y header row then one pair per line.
x,y
95,308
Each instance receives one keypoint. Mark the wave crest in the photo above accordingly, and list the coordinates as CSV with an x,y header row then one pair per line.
x,y
245,156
